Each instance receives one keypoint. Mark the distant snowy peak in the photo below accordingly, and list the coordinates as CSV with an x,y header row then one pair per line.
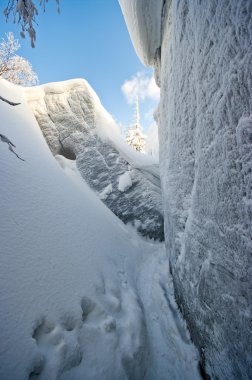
x,y
144,21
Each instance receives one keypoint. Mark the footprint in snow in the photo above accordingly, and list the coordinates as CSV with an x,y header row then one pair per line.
x,y
109,325
59,348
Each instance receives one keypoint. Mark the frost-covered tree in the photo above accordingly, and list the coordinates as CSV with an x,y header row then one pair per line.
x,y
14,68
135,138
24,13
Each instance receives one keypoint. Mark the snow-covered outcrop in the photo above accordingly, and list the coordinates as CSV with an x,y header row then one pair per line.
x,y
205,129
76,125
143,19
80,292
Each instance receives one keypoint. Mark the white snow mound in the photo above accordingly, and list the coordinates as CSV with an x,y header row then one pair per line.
x,y
124,181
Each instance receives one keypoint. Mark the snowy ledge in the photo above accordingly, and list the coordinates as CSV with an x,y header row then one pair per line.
x,y
144,22
38,92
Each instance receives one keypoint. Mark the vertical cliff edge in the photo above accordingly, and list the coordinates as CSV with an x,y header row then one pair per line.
x,y
203,63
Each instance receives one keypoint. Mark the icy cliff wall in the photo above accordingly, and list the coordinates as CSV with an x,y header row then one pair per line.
x,y
204,68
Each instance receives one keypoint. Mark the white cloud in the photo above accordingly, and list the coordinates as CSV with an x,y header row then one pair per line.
x,y
142,85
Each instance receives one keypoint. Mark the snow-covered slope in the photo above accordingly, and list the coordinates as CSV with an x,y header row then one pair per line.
x,y
76,125
80,292
63,258
205,129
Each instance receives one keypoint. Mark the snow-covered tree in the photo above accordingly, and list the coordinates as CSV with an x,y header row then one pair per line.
x,y
135,138
24,13
14,68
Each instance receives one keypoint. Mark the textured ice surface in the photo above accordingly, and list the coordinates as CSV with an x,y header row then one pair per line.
x,y
76,126
206,162
205,127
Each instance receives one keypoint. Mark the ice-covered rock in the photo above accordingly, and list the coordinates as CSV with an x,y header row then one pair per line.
x,y
205,72
76,125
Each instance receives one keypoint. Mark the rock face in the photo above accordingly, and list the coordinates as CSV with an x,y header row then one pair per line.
x,y
204,69
76,126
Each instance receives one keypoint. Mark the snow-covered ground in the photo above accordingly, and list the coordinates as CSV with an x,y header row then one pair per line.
x,y
82,296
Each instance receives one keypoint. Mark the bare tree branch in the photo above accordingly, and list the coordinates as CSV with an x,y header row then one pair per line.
x,y
5,139
9,102
25,13
12,150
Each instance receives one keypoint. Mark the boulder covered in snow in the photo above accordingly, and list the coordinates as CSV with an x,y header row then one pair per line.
x,y
76,126
205,129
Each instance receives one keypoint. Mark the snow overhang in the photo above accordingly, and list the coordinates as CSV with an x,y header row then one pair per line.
x,y
144,22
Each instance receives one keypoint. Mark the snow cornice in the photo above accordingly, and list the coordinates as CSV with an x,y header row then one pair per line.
x,y
144,22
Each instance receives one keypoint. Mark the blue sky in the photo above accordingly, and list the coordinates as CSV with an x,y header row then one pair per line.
x,y
89,39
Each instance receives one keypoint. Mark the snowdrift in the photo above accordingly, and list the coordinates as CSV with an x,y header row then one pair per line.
x,y
64,257
81,295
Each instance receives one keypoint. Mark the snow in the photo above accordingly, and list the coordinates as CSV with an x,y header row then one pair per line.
x,y
205,107
204,117
69,167
143,19
106,191
73,278
107,128
152,142
124,181
76,126
155,277
103,117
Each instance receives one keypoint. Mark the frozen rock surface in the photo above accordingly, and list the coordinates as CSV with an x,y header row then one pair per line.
x,y
76,126
205,122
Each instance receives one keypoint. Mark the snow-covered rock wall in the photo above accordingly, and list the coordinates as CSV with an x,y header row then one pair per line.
x,y
205,131
76,125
